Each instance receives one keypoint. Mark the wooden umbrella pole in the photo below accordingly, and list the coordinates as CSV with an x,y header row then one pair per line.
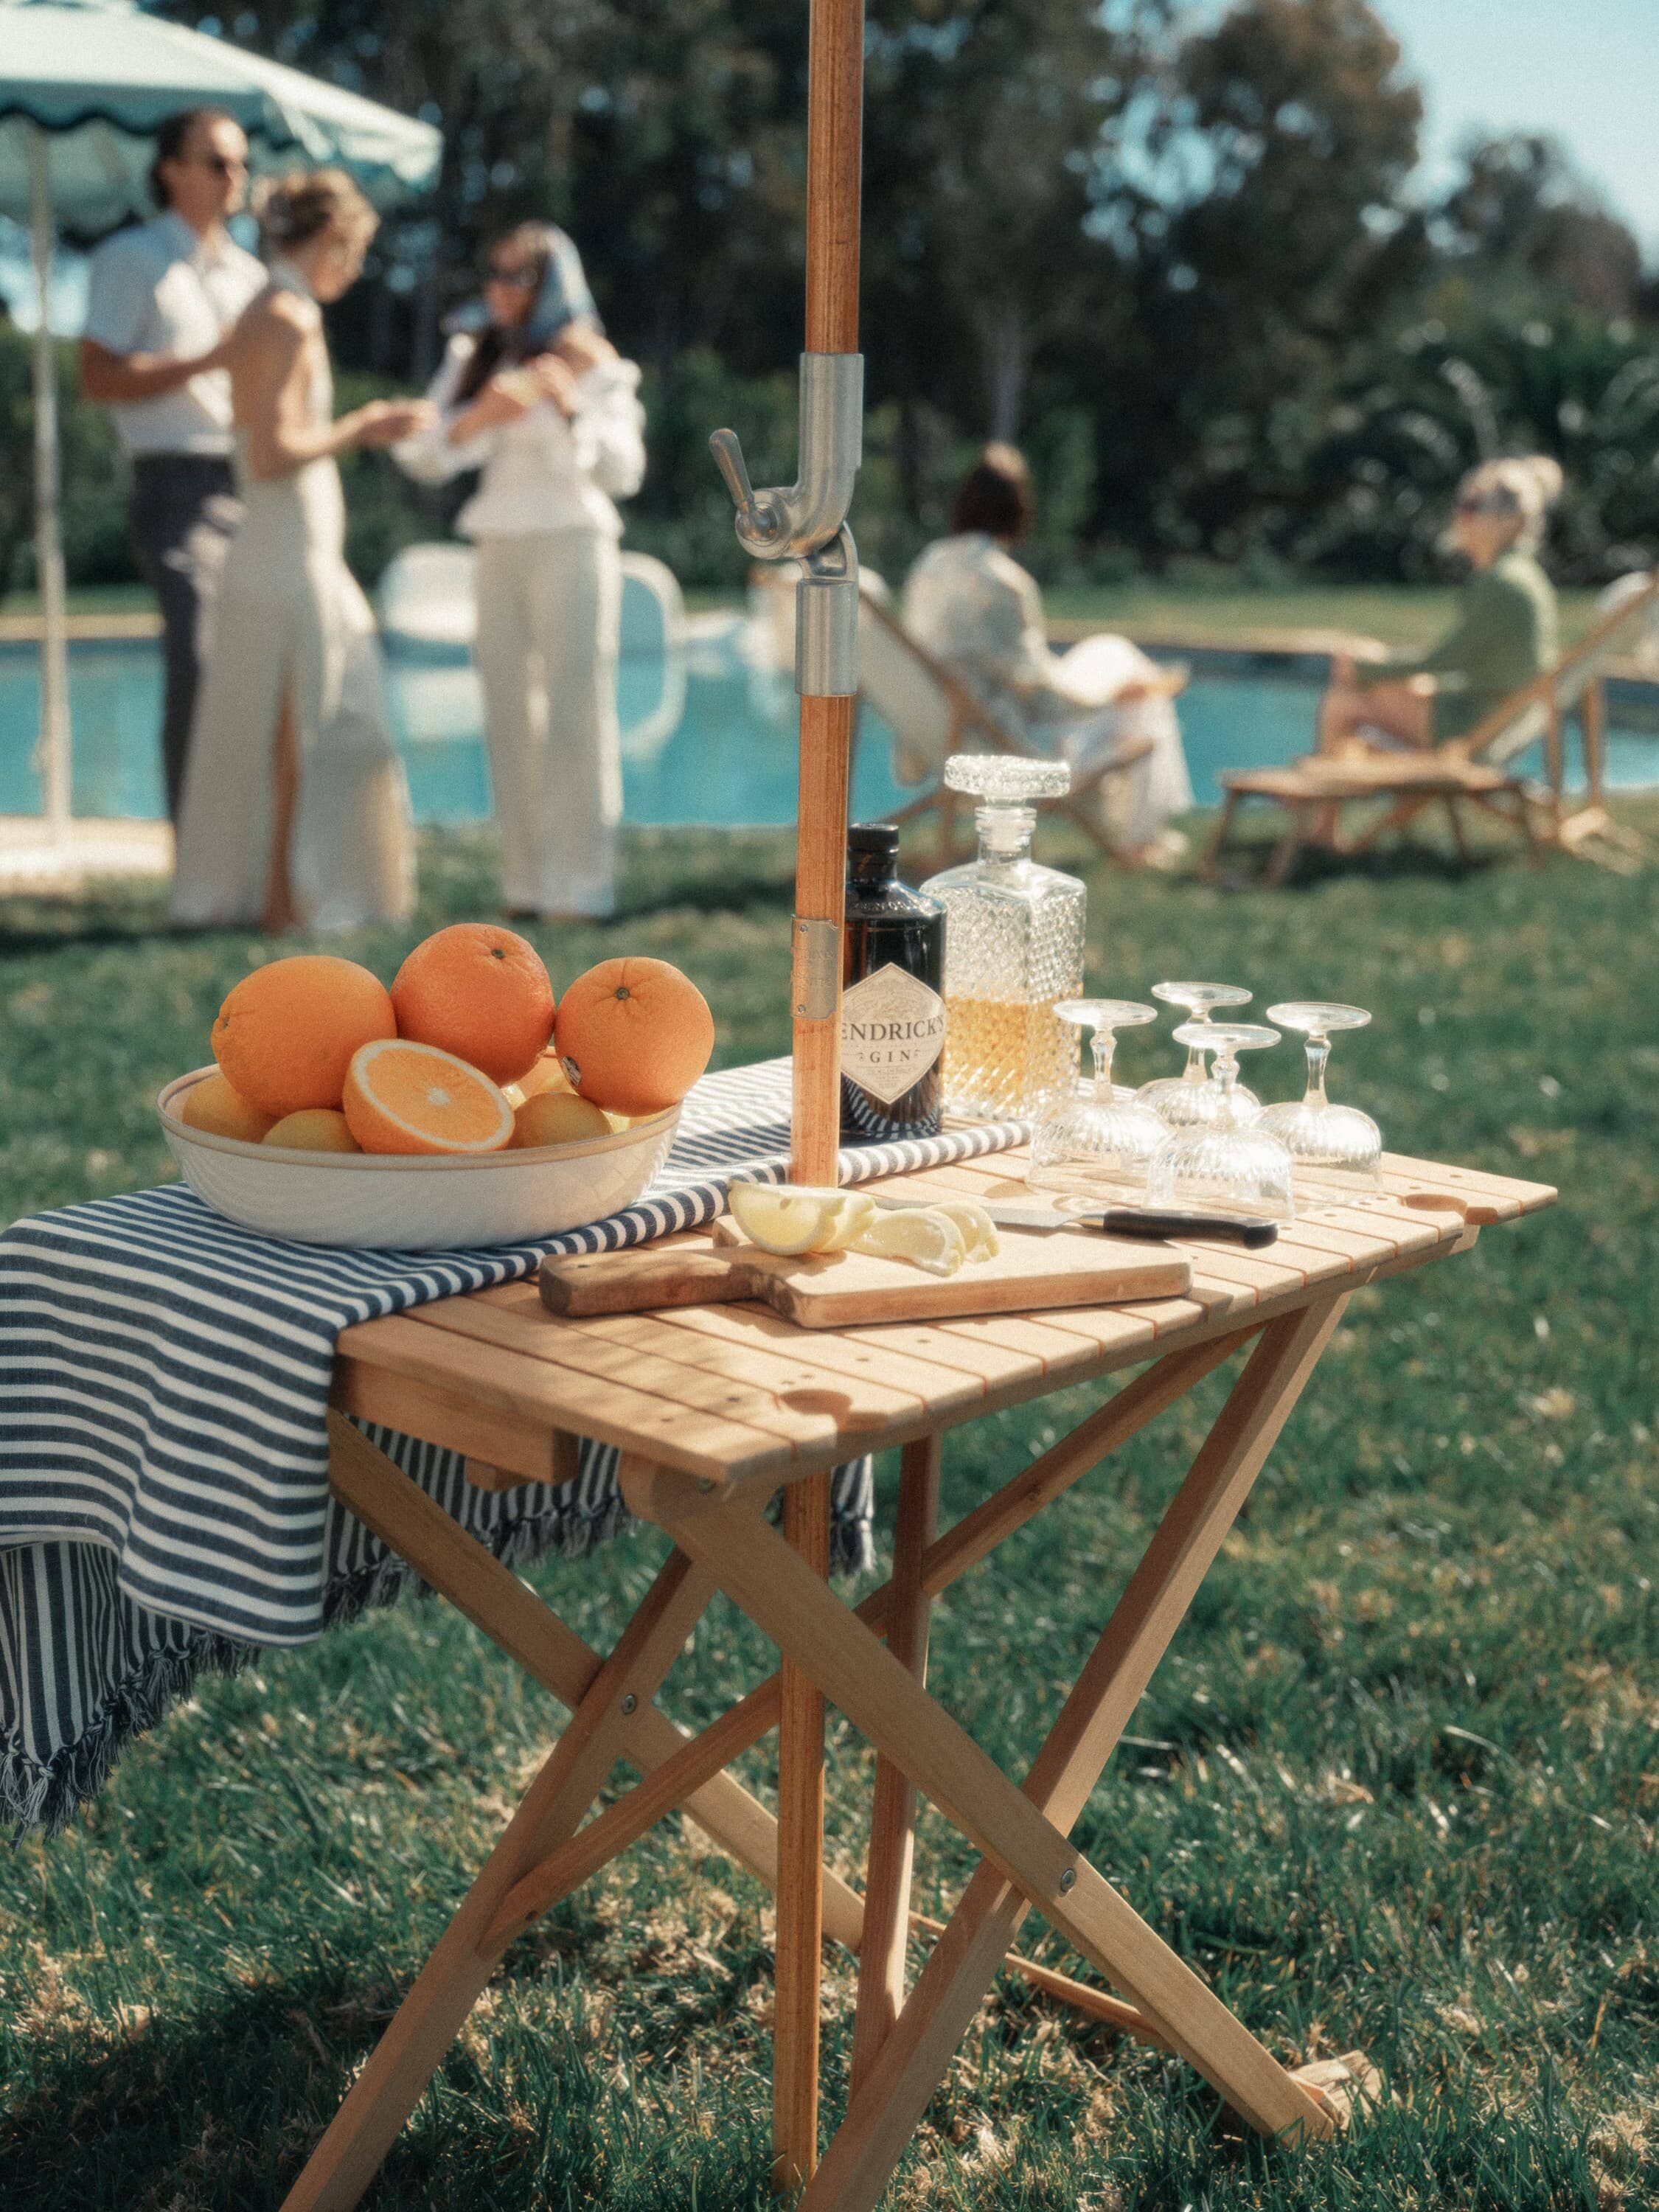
x,y
834,157
833,153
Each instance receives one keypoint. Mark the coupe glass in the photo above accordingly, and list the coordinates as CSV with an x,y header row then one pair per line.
x,y
1334,1148
1190,1099
1229,1165
1097,1138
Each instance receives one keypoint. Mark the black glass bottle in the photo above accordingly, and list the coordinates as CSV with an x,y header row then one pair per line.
x,y
892,1027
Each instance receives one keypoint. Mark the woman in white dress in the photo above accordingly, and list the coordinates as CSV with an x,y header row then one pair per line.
x,y
541,402
969,603
296,812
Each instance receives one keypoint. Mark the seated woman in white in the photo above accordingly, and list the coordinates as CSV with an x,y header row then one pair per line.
x,y
969,603
296,810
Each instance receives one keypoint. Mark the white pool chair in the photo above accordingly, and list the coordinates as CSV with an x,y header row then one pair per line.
x,y
427,595
650,680
428,599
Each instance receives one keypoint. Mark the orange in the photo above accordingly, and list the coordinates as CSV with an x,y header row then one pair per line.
x,y
317,1129
480,991
211,1104
403,1098
285,1035
558,1117
634,1035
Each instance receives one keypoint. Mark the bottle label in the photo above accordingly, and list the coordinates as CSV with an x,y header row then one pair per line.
x,y
892,1030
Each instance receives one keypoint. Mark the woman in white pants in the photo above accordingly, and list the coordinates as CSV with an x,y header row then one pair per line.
x,y
542,403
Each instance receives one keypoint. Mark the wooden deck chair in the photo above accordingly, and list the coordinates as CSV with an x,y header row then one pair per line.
x,y
932,713
1478,769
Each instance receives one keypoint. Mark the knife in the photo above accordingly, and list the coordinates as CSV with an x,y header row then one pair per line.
x,y
1113,1220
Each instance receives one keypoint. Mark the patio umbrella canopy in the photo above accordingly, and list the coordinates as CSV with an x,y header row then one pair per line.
x,y
84,84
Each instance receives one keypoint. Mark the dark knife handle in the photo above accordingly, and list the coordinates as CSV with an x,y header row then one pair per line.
x,y
1146,1221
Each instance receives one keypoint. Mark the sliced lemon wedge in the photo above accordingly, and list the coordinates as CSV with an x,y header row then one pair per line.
x,y
792,1218
927,1238
979,1232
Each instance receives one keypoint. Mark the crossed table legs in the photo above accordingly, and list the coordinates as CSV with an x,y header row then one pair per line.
x,y
832,1651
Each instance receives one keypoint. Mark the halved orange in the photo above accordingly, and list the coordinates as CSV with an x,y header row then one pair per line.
x,y
405,1098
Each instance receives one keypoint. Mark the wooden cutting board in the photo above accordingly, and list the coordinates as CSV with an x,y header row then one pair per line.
x,y
839,1290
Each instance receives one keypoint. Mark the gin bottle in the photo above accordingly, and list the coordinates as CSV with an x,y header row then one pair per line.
x,y
892,1018
1013,948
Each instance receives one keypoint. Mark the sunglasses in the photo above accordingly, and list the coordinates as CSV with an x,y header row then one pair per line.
x,y
521,280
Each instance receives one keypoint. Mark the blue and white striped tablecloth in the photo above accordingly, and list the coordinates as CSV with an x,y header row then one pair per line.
x,y
164,1379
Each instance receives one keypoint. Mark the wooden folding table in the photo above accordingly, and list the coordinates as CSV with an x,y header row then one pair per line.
x,y
715,1408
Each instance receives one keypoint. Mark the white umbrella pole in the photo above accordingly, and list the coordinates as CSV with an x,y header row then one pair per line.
x,y
52,754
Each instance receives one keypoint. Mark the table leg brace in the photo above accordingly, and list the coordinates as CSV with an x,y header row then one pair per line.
x,y
893,1808
882,2116
449,1985
1030,1859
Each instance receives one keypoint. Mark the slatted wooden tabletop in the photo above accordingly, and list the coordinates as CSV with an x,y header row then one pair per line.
x,y
735,1394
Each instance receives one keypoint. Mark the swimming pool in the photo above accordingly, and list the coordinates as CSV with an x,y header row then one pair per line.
x,y
707,739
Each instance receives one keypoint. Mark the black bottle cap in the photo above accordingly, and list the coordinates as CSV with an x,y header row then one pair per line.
x,y
872,837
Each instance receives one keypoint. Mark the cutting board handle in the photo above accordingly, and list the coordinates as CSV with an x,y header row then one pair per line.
x,y
637,1282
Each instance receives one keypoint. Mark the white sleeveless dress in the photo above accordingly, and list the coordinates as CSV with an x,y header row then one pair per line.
x,y
291,616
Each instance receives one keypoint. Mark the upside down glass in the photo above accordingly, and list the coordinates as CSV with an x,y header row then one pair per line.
x,y
1096,1141
1334,1148
1229,1165
1190,1098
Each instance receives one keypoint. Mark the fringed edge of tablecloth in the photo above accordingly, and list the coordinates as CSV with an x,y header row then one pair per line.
x,y
45,1798
34,1797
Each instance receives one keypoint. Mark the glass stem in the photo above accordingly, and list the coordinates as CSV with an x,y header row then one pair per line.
x,y
1226,1074
1319,1051
1197,1069
1105,1040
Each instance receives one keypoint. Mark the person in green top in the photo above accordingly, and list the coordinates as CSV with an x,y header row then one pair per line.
x,y
1505,633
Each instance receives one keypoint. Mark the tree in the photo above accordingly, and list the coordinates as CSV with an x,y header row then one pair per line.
x,y
987,123
1265,237
1521,217
1174,250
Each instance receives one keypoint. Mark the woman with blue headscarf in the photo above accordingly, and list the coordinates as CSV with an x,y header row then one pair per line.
x,y
540,402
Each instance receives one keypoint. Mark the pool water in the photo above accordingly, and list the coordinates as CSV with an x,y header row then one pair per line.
x,y
708,738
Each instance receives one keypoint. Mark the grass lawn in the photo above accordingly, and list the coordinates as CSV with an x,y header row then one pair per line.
x,y
1395,1788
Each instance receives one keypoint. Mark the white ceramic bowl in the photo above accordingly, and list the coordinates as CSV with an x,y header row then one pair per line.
x,y
423,1203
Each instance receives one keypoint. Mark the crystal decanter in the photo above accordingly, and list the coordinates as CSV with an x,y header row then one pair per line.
x,y
1013,948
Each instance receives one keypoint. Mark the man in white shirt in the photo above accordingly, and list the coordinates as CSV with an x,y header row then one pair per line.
x,y
163,299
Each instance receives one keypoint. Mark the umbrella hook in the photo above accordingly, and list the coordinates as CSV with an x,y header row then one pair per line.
x,y
807,522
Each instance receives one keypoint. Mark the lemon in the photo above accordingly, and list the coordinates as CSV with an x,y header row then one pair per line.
x,y
212,1105
312,1129
851,1212
555,1117
923,1235
979,1232
786,1218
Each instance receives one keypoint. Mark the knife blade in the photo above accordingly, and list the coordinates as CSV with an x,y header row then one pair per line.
x,y
1112,1221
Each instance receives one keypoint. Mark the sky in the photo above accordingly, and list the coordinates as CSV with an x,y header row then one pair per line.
x,y
1586,71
